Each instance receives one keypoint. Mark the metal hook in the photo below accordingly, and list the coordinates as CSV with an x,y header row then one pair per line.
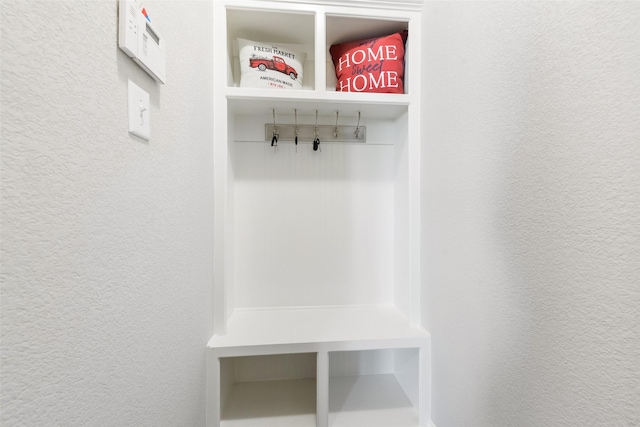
x,y
316,127
357,131
274,138
335,130
316,141
295,112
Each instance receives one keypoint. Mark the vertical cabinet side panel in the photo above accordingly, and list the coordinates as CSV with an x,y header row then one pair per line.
x,y
414,139
220,172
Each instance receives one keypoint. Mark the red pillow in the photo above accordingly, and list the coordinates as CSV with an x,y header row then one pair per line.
x,y
373,65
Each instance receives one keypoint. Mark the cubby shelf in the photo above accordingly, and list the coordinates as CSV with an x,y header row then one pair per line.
x,y
317,293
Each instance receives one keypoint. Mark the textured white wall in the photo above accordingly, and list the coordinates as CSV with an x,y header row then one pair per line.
x,y
106,239
532,212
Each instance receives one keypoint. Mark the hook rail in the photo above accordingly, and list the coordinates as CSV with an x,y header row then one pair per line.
x,y
306,133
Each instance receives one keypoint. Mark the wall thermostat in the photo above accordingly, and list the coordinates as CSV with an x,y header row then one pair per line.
x,y
140,40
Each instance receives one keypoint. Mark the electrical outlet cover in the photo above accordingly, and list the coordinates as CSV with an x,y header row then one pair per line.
x,y
139,112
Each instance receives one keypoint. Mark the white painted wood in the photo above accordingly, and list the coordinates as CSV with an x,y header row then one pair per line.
x,y
424,384
369,400
264,327
414,141
372,106
317,284
274,367
227,380
271,24
321,58
402,226
322,390
220,175
344,26
283,403
406,367
364,4
313,228
365,362
213,390
402,363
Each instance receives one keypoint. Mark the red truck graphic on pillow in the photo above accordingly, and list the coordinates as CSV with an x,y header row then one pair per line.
x,y
276,63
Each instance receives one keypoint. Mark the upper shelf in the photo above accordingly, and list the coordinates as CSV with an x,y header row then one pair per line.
x,y
371,105
315,30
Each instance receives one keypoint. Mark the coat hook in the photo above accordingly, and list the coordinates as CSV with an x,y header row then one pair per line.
x,y
316,141
335,130
274,138
357,131
295,112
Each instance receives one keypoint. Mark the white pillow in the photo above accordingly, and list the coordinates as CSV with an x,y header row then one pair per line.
x,y
270,65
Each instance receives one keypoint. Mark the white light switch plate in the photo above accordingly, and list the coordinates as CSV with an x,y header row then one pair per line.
x,y
139,112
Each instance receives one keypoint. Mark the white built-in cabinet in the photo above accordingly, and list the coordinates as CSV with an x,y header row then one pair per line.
x,y
317,318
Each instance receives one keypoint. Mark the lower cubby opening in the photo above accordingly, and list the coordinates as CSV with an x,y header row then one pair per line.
x,y
374,388
268,391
